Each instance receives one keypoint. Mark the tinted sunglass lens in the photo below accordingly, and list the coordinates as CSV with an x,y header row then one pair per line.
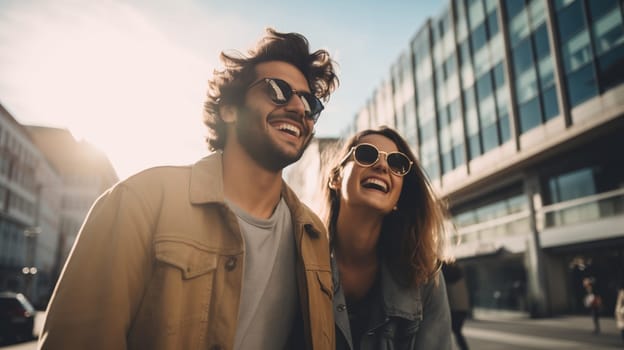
x,y
279,90
398,163
366,154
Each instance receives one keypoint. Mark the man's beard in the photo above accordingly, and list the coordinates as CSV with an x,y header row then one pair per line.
x,y
256,141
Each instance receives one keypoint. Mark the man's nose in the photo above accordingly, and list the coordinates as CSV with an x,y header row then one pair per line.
x,y
296,105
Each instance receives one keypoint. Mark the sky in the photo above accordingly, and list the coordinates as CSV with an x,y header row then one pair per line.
x,y
130,77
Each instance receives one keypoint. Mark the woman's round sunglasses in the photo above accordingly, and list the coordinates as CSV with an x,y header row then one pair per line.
x,y
367,155
280,92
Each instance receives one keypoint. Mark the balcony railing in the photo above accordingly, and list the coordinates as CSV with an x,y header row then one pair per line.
x,y
505,226
580,210
575,211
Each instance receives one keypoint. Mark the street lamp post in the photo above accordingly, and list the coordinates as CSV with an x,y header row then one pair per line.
x,y
30,270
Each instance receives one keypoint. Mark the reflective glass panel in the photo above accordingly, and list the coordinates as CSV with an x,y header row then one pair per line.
x,y
608,32
546,72
581,85
530,115
570,20
475,12
540,37
478,37
577,51
611,65
551,106
518,28
513,7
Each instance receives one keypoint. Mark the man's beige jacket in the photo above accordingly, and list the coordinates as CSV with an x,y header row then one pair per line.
x,y
158,264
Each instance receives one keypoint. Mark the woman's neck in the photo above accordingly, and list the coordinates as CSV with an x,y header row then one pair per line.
x,y
356,236
355,249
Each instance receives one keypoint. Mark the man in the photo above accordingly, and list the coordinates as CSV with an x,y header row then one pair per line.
x,y
221,254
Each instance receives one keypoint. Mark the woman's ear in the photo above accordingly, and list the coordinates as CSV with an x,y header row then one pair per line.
x,y
335,182
228,113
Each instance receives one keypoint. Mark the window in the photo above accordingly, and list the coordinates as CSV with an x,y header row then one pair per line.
x,y
551,108
523,56
571,20
518,28
499,75
572,185
526,86
530,114
484,86
478,37
542,47
581,85
546,72
492,21
611,67
600,8
608,32
577,51
475,12
513,7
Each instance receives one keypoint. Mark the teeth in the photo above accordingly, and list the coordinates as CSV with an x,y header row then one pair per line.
x,y
289,127
376,182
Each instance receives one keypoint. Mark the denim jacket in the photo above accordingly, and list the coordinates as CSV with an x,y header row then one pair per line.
x,y
401,318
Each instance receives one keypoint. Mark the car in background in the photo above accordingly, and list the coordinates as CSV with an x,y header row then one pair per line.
x,y
17,317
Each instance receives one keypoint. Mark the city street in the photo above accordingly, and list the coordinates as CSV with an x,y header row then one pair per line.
x,y
569,332
565,333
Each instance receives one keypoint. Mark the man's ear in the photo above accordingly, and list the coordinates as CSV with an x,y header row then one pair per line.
x,y
228,113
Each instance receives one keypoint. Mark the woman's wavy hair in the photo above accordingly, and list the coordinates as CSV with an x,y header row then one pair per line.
x,y
413,237
228,85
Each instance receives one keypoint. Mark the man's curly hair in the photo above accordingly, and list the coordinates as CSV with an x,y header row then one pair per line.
x,y
228,85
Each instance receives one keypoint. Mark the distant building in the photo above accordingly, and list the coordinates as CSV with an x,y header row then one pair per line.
x,y
515,109
85,172
29,212
305,175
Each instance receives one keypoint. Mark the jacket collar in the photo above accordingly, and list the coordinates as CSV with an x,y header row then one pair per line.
x,y
206,186
399,301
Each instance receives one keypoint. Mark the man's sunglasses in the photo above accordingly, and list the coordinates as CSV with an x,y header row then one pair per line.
x,y
367,155
281,92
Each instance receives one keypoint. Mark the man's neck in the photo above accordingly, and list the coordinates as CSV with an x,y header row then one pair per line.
x,y
251,187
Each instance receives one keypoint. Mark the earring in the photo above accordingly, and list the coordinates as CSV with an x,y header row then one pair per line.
x,y
395,208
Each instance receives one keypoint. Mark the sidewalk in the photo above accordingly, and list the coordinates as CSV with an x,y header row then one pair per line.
x,y
562,332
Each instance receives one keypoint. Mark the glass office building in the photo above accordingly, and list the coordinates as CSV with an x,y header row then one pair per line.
x,y
515,109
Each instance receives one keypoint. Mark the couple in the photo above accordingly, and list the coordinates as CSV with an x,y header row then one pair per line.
x,y
222,254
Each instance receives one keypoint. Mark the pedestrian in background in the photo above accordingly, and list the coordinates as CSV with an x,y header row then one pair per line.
x,y
386,232
458,298
220,254
619,311
593,302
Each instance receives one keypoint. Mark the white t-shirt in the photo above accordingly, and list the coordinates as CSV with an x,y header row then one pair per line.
x,y
269,297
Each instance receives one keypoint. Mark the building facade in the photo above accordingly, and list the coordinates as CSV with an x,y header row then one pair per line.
x,y
85,174
519,113
29,213
48,182
515,109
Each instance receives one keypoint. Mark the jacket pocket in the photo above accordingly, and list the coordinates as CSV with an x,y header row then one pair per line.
x,y
176,304
321,314
325,282
191,260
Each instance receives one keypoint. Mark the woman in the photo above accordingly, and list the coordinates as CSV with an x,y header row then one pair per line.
x,y
619,311
386,229
458,299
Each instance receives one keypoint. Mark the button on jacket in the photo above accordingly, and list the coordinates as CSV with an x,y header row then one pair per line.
x,y
401,318
158,264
